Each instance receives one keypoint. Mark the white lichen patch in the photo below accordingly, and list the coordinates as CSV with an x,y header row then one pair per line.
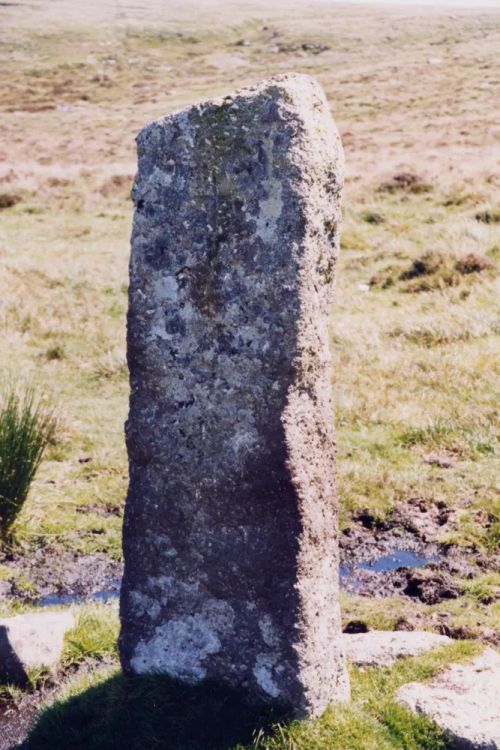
x,y
270,209
268,633
166,288
142,604
160,591
180,646
263,673
244,441
158,180
158,329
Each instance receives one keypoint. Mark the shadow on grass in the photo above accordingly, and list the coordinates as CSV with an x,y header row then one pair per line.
x,y
152,713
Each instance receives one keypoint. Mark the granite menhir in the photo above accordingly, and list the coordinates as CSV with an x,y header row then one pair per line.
x,y
230,536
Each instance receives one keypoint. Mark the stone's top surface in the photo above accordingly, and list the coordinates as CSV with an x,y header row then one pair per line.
x,y
37,622
295,91
231,559
464,700
383,648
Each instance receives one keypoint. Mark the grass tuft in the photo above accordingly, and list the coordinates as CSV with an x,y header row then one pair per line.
x,y
94,636
406,182
7,200
25,431
473,263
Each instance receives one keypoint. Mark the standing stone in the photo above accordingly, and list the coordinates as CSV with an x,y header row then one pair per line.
x,y
230,537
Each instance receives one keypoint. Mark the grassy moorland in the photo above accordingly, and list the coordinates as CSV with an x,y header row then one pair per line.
x,y
415,327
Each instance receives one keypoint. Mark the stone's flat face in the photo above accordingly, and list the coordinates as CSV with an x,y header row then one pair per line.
x,y
230,541
384,647
464,700
31,641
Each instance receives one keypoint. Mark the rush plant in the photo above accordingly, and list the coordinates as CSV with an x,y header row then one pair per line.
x,y
26,428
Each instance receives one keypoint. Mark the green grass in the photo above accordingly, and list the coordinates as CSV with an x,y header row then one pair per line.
x,y
93,637
26,428
476,614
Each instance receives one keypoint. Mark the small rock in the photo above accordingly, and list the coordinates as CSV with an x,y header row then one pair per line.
x,y
31,641
316,48
383,648
356,626
464,701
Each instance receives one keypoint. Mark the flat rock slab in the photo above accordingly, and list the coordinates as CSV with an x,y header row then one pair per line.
x,y
382,648
30,642
464,700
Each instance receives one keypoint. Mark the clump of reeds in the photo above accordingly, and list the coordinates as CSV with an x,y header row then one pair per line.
x,y
26,427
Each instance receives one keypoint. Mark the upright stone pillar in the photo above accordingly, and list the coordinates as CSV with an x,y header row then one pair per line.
x,y
230,538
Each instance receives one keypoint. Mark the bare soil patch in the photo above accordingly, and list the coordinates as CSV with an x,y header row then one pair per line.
x,y
49,572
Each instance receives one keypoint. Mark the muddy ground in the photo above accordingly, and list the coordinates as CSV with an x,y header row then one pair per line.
x,y
51,576
16,718
402,558
378,559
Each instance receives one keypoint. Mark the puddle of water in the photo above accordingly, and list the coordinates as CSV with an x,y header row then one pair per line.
x,y
398,558
110,593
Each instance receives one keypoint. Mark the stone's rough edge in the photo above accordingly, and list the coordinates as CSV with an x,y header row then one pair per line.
x,y
292,88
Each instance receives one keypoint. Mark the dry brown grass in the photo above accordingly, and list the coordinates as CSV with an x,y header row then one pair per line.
x,y
413,95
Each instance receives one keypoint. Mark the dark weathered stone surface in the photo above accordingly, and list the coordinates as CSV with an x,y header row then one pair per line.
x,y
230,540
